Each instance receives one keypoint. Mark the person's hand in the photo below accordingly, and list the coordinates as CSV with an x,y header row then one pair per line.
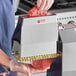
x,y
23,68
41,8
44,4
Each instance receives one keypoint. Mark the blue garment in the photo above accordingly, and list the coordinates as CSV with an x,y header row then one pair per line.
x,y
7,22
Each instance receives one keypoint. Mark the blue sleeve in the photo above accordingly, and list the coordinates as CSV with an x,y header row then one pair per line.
x,y
7,22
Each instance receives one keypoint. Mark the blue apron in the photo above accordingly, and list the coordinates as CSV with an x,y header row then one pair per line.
x,y
7,22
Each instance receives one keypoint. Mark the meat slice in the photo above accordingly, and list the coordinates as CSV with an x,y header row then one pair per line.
x,y
42,64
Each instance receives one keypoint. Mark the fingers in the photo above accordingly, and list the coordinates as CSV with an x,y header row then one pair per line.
x,y
44,4
49,4
41,4
27,69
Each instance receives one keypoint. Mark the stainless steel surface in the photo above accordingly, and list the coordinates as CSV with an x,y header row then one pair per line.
x,y
38,38
69,73
68,37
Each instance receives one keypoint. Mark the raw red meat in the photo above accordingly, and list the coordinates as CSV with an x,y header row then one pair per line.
x,y
42,64
34,12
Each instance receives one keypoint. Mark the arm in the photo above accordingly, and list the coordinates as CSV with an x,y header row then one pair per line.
x,y
4,59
